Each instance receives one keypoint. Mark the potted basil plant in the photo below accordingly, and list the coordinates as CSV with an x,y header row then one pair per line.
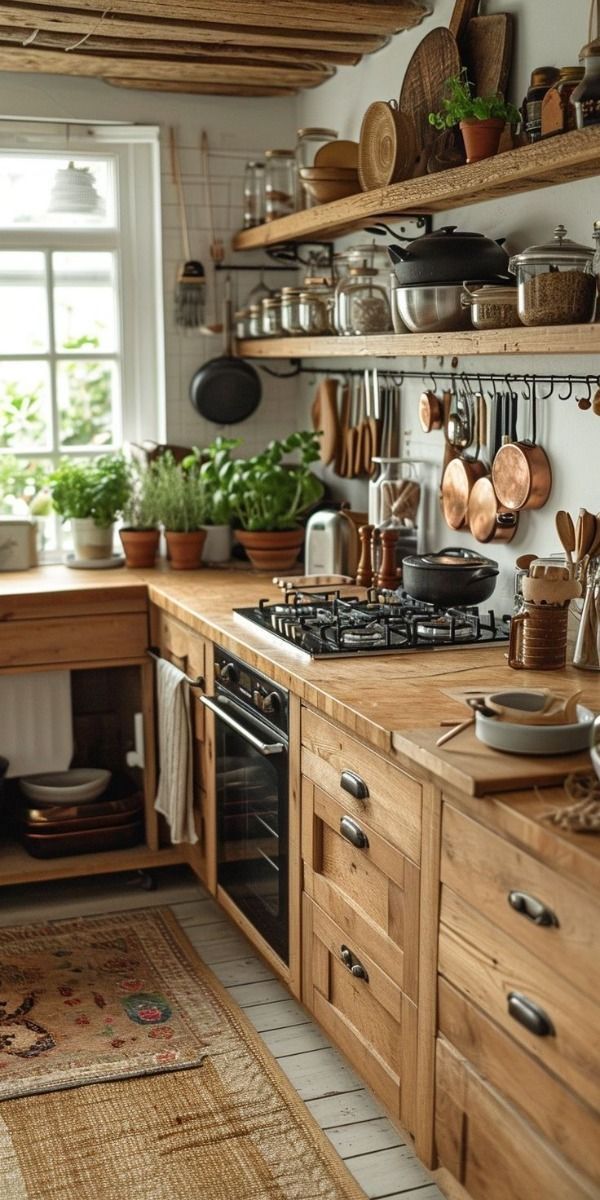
x,y
481,119
183,507
140,532
268,498
91,496
215,470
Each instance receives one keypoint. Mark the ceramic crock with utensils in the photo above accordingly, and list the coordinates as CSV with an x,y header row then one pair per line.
x,y
538,637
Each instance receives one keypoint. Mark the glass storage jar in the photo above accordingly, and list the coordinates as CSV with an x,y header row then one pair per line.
x,y
254,321
309,141
558,114
542,79
366,254
241,321
555,282
316,305
290,310
586,97
394,496
254,194
271,316
362,304
280,183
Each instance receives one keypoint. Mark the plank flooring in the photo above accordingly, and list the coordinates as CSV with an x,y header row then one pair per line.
x,y
374,1150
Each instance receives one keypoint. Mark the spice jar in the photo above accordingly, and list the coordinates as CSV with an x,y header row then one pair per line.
x,y
280,183
254,194
254,321
542,79
555,282
361,303
316,302
586,97
558,114
309,141
290,310
271,316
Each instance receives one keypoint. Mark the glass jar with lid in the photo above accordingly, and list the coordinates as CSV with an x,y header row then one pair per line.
x,y
394,496
558,114
542,79
586,97
366,254
280,183
316,305
254,194
362,304
271,316
290,310
555,282
309,141
254,321
241,320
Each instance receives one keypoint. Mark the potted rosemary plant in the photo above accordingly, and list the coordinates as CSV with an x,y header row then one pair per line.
x,y
481,119
140,533
183,507
215,470
91,496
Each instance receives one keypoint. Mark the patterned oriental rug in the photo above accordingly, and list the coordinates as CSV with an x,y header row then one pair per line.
x,y
231,1129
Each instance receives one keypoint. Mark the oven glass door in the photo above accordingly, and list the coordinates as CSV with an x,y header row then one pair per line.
x,y
252,820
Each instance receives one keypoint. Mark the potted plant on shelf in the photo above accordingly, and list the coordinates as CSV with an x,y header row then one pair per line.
x,y
183,507
481,119
91,495
140,533
215,470
267,499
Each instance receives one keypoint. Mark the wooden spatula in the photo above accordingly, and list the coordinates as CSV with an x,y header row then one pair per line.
x,y
341,456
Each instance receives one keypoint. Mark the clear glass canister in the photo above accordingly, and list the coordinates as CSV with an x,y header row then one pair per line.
x,y
586,97
558,114
290,310
309,141
361,303
254,321
316,306
366,254
242,323
254,194
556,282
280,183
271,317
394,494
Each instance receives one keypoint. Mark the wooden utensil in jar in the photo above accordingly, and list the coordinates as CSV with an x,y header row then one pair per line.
x,y
521,472
566,533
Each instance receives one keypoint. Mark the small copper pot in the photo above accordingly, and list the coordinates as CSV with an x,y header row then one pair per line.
x,y
521,472
487,520
460,477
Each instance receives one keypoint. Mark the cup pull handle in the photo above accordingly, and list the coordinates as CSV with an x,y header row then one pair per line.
x,y
353,964
530,1015
352,832
535,910
515,643
353,784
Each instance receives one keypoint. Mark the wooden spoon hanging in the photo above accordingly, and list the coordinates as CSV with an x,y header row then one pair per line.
x,y
341,457
566,533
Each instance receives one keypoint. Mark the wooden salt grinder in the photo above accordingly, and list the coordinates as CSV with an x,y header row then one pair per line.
x,y
388,576
364,573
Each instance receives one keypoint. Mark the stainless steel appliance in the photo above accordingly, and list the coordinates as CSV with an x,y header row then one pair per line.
x,y
329,625
330,547
251,783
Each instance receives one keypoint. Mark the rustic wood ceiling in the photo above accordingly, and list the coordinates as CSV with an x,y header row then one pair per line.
x,y
215,47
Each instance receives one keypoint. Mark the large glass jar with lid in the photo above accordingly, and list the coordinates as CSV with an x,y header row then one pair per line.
x,y
254,194
316,305
271,316
309,141
362,304
558,114
290,310
394,496
365,254
280,183
555,282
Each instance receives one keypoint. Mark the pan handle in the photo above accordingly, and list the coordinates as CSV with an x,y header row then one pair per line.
x,y
515,643
482,573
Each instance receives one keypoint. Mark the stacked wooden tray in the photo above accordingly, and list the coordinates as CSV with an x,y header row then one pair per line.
x,y
53,831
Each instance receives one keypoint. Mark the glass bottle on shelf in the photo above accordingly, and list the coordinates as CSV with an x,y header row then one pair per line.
x,y
586,97
362,303
254,194
280,184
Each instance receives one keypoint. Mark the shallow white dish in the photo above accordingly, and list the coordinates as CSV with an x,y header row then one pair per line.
x,y
66,787
514,738
94,564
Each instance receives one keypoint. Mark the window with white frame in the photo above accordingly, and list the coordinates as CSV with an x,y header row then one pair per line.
x,y
81,358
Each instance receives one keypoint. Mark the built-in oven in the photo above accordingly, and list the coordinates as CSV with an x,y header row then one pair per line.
x,y
251,786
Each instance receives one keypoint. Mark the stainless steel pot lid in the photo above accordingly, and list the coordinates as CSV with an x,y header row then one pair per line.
x,y
559,249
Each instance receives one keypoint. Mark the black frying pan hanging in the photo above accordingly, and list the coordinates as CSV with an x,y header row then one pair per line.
x,y
226,390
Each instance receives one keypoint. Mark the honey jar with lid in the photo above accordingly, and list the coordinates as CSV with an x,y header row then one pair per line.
x,y
558,113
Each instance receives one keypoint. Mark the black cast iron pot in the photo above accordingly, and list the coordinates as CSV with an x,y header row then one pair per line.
x,y
449,255
450,578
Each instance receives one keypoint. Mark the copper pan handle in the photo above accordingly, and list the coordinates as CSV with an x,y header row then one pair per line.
x,y
515,643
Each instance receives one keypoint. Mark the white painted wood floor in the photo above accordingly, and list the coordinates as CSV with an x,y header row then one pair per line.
x,y
373,1149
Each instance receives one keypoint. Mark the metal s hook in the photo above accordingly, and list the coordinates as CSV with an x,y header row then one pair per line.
x,y
550,391
526,393
569,393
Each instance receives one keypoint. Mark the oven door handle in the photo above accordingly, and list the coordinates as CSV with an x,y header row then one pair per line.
x,y
266,748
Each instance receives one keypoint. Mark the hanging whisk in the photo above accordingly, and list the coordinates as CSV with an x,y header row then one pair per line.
x,y
190,288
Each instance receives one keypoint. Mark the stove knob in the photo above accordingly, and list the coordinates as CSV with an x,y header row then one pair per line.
x,y
271,703
229,673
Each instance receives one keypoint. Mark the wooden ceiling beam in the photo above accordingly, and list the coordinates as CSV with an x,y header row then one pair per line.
x,y
199,89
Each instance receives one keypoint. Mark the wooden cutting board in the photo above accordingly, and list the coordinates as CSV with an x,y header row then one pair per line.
x,y
488,44
461,15
324,416
434,60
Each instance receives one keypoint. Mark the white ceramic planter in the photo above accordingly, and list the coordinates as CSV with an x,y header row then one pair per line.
x,y
91,540
217,547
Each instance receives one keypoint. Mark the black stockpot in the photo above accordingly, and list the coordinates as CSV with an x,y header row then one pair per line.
x,y
452,577
449,255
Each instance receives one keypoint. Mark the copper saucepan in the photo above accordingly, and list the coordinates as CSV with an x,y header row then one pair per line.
x,y
521,472
431,411
489,521
461,475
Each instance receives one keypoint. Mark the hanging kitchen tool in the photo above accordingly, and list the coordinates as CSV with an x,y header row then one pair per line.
x,y
457,428
324,415
566,533
341,457
434,61
362,460
487,519
373,415
226,390
216,247
190,288
521,471
431,412
459,479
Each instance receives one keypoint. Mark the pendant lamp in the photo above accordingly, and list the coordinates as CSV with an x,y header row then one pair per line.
x,y
74,191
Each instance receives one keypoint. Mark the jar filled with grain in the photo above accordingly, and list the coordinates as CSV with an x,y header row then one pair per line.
x,y
316,305
280,183
362,303
555,282
558,114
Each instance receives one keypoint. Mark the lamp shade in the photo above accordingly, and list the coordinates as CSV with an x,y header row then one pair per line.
x,y
74,191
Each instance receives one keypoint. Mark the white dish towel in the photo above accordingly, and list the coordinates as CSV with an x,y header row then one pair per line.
x,y
36,722
174,798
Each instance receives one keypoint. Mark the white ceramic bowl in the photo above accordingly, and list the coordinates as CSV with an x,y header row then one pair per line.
x,y
514,738
66,787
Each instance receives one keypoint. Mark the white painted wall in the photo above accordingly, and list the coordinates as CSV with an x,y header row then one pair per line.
x,y
547,31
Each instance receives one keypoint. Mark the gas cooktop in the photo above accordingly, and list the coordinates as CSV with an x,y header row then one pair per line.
x,y
329,625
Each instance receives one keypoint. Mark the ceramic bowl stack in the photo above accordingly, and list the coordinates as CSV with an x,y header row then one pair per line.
x,y
68,812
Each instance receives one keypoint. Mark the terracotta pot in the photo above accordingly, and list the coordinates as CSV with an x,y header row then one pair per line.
x,y
481,138
275,550
140,546
185,549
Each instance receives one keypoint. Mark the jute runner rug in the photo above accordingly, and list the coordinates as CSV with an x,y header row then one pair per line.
x,y
231,1129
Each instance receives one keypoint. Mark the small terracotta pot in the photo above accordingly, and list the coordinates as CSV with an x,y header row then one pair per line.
x,y
275,550
481,138
185,549
140,546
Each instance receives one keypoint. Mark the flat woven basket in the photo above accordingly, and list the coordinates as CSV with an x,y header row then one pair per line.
x,y
387,148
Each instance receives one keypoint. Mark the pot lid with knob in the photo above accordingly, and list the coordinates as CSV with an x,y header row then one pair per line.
x,y
559,250
449,255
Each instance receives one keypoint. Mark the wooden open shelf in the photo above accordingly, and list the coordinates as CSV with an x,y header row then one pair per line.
x,y
547,339
17,866
561,159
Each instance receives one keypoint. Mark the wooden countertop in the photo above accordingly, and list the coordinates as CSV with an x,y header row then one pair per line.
x,y
394,702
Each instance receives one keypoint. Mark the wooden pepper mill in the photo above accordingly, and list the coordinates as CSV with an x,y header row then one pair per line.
x,y
364,573
388,575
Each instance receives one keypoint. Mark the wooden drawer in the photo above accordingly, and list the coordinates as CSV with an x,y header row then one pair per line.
x,y
370,1019
393,803
73,640
179,644
489,1148
486,869
372,892
487,965
556,1112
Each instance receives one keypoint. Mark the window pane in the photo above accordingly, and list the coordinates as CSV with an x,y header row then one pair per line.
x,y
84,302
86,403
24,324
24,406
56,191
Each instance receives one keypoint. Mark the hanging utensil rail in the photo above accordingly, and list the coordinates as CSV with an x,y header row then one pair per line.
x,y
443,379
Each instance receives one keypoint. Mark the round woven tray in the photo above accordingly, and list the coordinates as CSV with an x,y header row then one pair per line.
x,y
387,148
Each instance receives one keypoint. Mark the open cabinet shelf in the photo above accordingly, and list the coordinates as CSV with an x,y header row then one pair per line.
x,y
17,866
561,159
553,339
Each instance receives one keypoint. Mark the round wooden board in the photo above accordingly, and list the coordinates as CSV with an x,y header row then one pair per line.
x,y
433,62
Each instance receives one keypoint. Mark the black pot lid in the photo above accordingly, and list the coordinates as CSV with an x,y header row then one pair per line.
x,y
444,559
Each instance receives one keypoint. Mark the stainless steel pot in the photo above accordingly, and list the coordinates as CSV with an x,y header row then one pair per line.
x,y
433,309
451,577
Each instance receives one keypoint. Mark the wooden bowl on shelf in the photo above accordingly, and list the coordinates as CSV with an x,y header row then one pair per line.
x,y
325,184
